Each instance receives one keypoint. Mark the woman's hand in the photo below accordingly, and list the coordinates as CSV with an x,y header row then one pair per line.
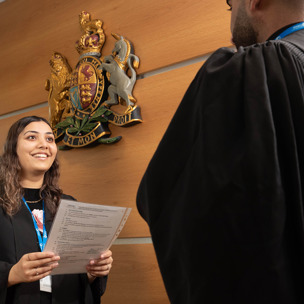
x,y
32,267
101,266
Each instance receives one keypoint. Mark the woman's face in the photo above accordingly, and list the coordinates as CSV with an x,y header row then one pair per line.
x,y
36,148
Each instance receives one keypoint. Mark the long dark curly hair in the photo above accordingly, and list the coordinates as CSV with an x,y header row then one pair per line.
x,y
11,191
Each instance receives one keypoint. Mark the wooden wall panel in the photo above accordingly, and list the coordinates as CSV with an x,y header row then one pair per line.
x,y
163,31
135,277
110,174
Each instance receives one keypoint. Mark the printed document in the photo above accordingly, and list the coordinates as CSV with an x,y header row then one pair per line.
x,y
81,232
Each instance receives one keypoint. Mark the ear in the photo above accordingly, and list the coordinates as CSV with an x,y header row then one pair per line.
x,y
255,4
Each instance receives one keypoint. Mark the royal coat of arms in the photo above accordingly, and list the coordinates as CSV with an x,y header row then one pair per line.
x,y
81,100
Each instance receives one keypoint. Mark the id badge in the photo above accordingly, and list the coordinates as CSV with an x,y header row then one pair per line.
x,y
46,284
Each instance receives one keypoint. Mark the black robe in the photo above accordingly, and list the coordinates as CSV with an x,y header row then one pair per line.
x,y
18,237
223,192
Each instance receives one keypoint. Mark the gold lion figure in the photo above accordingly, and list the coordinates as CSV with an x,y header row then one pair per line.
x,y
58,86
88,25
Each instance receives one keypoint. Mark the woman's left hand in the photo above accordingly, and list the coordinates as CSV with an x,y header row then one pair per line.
x,y
100,267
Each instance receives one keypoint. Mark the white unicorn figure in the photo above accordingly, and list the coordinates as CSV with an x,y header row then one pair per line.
x,y
117,65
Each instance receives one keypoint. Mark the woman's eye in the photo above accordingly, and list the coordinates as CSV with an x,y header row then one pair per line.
x,y
31,137
50,139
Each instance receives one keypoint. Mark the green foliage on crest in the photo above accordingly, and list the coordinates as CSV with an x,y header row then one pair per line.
x,y
76,126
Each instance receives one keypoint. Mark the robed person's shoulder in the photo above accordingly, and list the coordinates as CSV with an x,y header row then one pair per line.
x,y
258,68
234,92
233,63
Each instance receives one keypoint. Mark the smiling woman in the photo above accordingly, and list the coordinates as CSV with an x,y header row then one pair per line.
x,y
17,169
29,197
36,150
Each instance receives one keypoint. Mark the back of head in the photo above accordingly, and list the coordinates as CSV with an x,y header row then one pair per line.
x,y
269,16
293,7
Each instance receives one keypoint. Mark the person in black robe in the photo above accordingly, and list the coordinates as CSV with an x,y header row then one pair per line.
x,y
223,193
29,198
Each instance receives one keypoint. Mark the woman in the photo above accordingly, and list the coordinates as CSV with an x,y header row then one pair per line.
x,y
29,197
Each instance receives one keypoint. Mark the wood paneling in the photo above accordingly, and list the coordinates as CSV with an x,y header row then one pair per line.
x,y
163,31
135,277
110,174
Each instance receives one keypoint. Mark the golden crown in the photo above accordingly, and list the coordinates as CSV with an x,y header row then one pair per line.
x,y
93,39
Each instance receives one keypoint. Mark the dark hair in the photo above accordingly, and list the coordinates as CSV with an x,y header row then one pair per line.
x,y
11,191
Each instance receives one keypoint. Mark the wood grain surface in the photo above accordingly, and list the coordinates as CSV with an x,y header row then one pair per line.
x,y
163,32
135,277
110,174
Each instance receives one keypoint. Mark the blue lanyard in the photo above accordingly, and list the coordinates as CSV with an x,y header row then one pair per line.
x,y
42,240
290,30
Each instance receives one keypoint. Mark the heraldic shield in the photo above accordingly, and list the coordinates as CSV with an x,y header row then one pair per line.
x,y
80,100
87,89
